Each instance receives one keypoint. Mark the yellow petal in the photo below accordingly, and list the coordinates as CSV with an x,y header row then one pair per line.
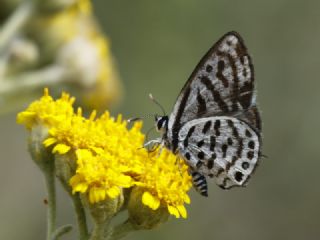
x,y
182,210
187,199
113,192
80,187
100,194
173,211
149,200
25,117
49,141
61,148
82,153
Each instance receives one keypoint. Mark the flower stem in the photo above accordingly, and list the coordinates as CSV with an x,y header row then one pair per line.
x,y
98,232
15,23
121,230
81,217
61,231
51,211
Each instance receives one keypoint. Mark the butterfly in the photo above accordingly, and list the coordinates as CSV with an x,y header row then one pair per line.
x,y
215,125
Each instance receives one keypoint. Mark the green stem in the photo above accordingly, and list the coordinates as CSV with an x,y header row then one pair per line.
x,y
61,231
51,211
98,232
15,22
121,230
81,217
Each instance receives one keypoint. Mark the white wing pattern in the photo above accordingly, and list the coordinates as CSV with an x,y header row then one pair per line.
x,y
215,124
221,84
222,147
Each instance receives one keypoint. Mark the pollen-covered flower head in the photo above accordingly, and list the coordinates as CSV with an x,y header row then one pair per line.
x,y
47,111
166,182
109,156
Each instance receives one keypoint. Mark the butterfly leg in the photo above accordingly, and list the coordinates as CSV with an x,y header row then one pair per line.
x,y
153,143
199,183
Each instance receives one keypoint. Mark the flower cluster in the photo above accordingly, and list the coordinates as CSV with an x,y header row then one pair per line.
x,y
57,43
109,156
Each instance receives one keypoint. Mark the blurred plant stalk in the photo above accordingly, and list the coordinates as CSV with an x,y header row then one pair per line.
x,y
56,44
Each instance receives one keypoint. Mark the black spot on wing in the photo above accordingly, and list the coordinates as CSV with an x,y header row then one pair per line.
x,y
240,148
238,176
210,163
217,125
199,164
215,94
250,155
235,84
202,108
201,155
186,140
206,127
245,165
212,143
224,149
200,143
251,144
230,123
235,132
209,68
219,74
248,133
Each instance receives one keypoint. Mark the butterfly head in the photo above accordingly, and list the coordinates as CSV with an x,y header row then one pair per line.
x,y
161,123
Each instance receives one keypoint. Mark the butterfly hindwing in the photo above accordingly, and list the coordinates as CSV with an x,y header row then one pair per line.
x,y
221,84
222,147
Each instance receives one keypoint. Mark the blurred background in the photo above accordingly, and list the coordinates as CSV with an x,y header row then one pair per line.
x,y
156,45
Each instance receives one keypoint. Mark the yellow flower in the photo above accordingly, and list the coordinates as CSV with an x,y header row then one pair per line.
x,y
166,182
109,156
46,111
74,133
100,175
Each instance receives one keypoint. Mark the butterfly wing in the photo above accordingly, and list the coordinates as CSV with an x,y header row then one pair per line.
x,y
222,147
221,84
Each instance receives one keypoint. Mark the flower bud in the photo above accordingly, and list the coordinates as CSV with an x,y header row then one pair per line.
x,y
103,211
142,216
40,155
65,168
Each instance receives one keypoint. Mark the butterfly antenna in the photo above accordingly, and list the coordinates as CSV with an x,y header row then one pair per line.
x,y
157,103
134,119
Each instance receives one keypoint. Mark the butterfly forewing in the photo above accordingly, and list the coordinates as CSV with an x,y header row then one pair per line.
x,y
221,84
222,147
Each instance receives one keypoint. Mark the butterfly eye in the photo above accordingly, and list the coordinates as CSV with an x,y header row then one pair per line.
x,y
161,123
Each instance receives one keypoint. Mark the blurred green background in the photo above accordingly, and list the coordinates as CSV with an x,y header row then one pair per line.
x,y
157,44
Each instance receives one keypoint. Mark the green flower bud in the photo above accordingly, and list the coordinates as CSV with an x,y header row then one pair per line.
x,y
142,216
40,155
